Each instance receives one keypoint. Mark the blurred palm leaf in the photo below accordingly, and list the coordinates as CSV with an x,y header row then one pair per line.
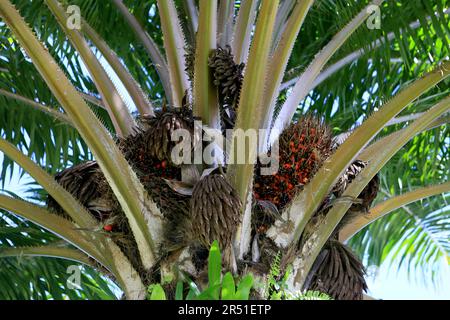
x,y
416,235
40,278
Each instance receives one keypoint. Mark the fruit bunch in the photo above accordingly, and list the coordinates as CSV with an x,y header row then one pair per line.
x,y
303,147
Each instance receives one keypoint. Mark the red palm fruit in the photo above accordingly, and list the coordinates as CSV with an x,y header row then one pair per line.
x,y
303,148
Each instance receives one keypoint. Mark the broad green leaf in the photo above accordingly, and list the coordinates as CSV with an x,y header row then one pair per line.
x,y
157,293
179,296
244,287
228,287
215,268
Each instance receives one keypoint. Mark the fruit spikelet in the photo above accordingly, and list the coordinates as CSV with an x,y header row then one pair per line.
x,y
339,273
215,213
228,78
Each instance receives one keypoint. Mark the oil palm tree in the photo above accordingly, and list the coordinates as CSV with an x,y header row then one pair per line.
x,y
356,93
